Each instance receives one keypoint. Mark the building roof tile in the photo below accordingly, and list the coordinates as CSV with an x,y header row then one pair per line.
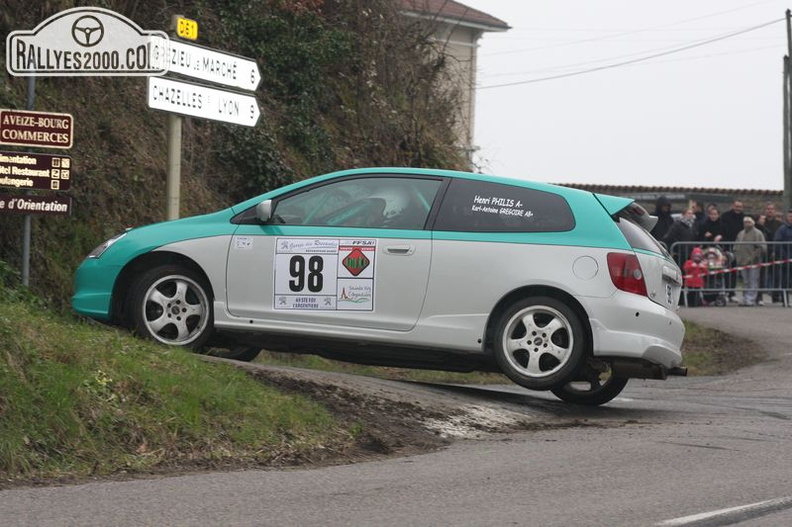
x,y
449,9
606,189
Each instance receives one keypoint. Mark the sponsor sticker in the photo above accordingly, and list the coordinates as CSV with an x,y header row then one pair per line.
x,y
243,243
500,206
324,274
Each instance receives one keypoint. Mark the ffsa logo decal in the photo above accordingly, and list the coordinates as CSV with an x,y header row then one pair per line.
x,y
87,41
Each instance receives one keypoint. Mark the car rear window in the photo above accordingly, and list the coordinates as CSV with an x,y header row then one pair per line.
x,y
481,206
637,236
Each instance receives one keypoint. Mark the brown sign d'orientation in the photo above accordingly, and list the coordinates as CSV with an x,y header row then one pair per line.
x,y
43,205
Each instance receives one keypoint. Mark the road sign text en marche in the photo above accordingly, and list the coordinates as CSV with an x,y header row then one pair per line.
x,y
215,66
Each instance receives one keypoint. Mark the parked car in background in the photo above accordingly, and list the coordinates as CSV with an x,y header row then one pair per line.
x,y
559,289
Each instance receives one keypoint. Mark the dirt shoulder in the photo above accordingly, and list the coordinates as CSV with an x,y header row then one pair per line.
x,y
397,418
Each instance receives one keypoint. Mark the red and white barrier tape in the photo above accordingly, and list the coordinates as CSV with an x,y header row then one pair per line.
x,y
711,272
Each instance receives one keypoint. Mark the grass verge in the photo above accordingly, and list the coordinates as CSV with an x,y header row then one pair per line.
x,y
708,351
79,400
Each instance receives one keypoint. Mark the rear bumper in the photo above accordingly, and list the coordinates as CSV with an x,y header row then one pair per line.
x,y
633,327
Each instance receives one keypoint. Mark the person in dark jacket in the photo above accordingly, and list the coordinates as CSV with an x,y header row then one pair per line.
x,y
732,221
683,230
783,252
712,228
664,218
772,275
698,211
772,223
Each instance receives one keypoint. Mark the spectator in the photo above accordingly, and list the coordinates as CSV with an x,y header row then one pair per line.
x,y
748,251
772,223
732,221
664,218
701,215
695,270
761,221
712,229
683,230
783,252
698,210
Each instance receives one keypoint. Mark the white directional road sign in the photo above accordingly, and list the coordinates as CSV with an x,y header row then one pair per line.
x,y
194,100
215,66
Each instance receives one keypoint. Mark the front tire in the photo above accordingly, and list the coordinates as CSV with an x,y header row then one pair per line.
x,y
539,343
171,304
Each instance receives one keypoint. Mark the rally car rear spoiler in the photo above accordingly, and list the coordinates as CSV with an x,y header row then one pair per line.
x,y
615,204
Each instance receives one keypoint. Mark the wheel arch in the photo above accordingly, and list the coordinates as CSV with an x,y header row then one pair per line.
x,y
530,291
141,264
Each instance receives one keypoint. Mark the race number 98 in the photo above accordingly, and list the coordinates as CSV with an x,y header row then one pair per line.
x,y
302,274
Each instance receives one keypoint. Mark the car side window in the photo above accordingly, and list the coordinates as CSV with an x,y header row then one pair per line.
x,y
374,202
481,206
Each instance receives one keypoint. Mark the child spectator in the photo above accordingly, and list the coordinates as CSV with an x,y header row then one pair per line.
x,y
695,270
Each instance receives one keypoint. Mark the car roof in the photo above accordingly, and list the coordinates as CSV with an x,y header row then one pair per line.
x,y
611,203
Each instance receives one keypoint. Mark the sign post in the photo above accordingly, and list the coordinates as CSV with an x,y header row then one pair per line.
x,y
38,171
173,183
82,41
182,98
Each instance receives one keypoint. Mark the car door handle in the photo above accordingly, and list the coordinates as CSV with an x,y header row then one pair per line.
x,y
403,250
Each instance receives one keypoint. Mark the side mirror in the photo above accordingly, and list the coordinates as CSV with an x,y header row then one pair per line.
x,y
264,211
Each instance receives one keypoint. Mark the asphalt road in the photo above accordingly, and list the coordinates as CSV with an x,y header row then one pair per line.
x,y
687,451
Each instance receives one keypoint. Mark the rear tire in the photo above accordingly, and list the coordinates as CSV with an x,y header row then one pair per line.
x,y
539,343
591,387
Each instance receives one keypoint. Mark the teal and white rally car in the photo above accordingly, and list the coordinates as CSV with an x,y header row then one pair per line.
x,y
560,289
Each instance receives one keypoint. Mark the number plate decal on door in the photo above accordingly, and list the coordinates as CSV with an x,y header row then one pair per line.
x,y
325,274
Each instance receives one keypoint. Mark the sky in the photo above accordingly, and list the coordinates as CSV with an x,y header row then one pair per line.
x,y
709,116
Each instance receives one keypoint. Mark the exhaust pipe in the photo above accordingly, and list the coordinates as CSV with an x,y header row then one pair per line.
x,y
680,371
644,370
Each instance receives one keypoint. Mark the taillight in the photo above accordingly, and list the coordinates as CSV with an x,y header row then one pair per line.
x,y
626,273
